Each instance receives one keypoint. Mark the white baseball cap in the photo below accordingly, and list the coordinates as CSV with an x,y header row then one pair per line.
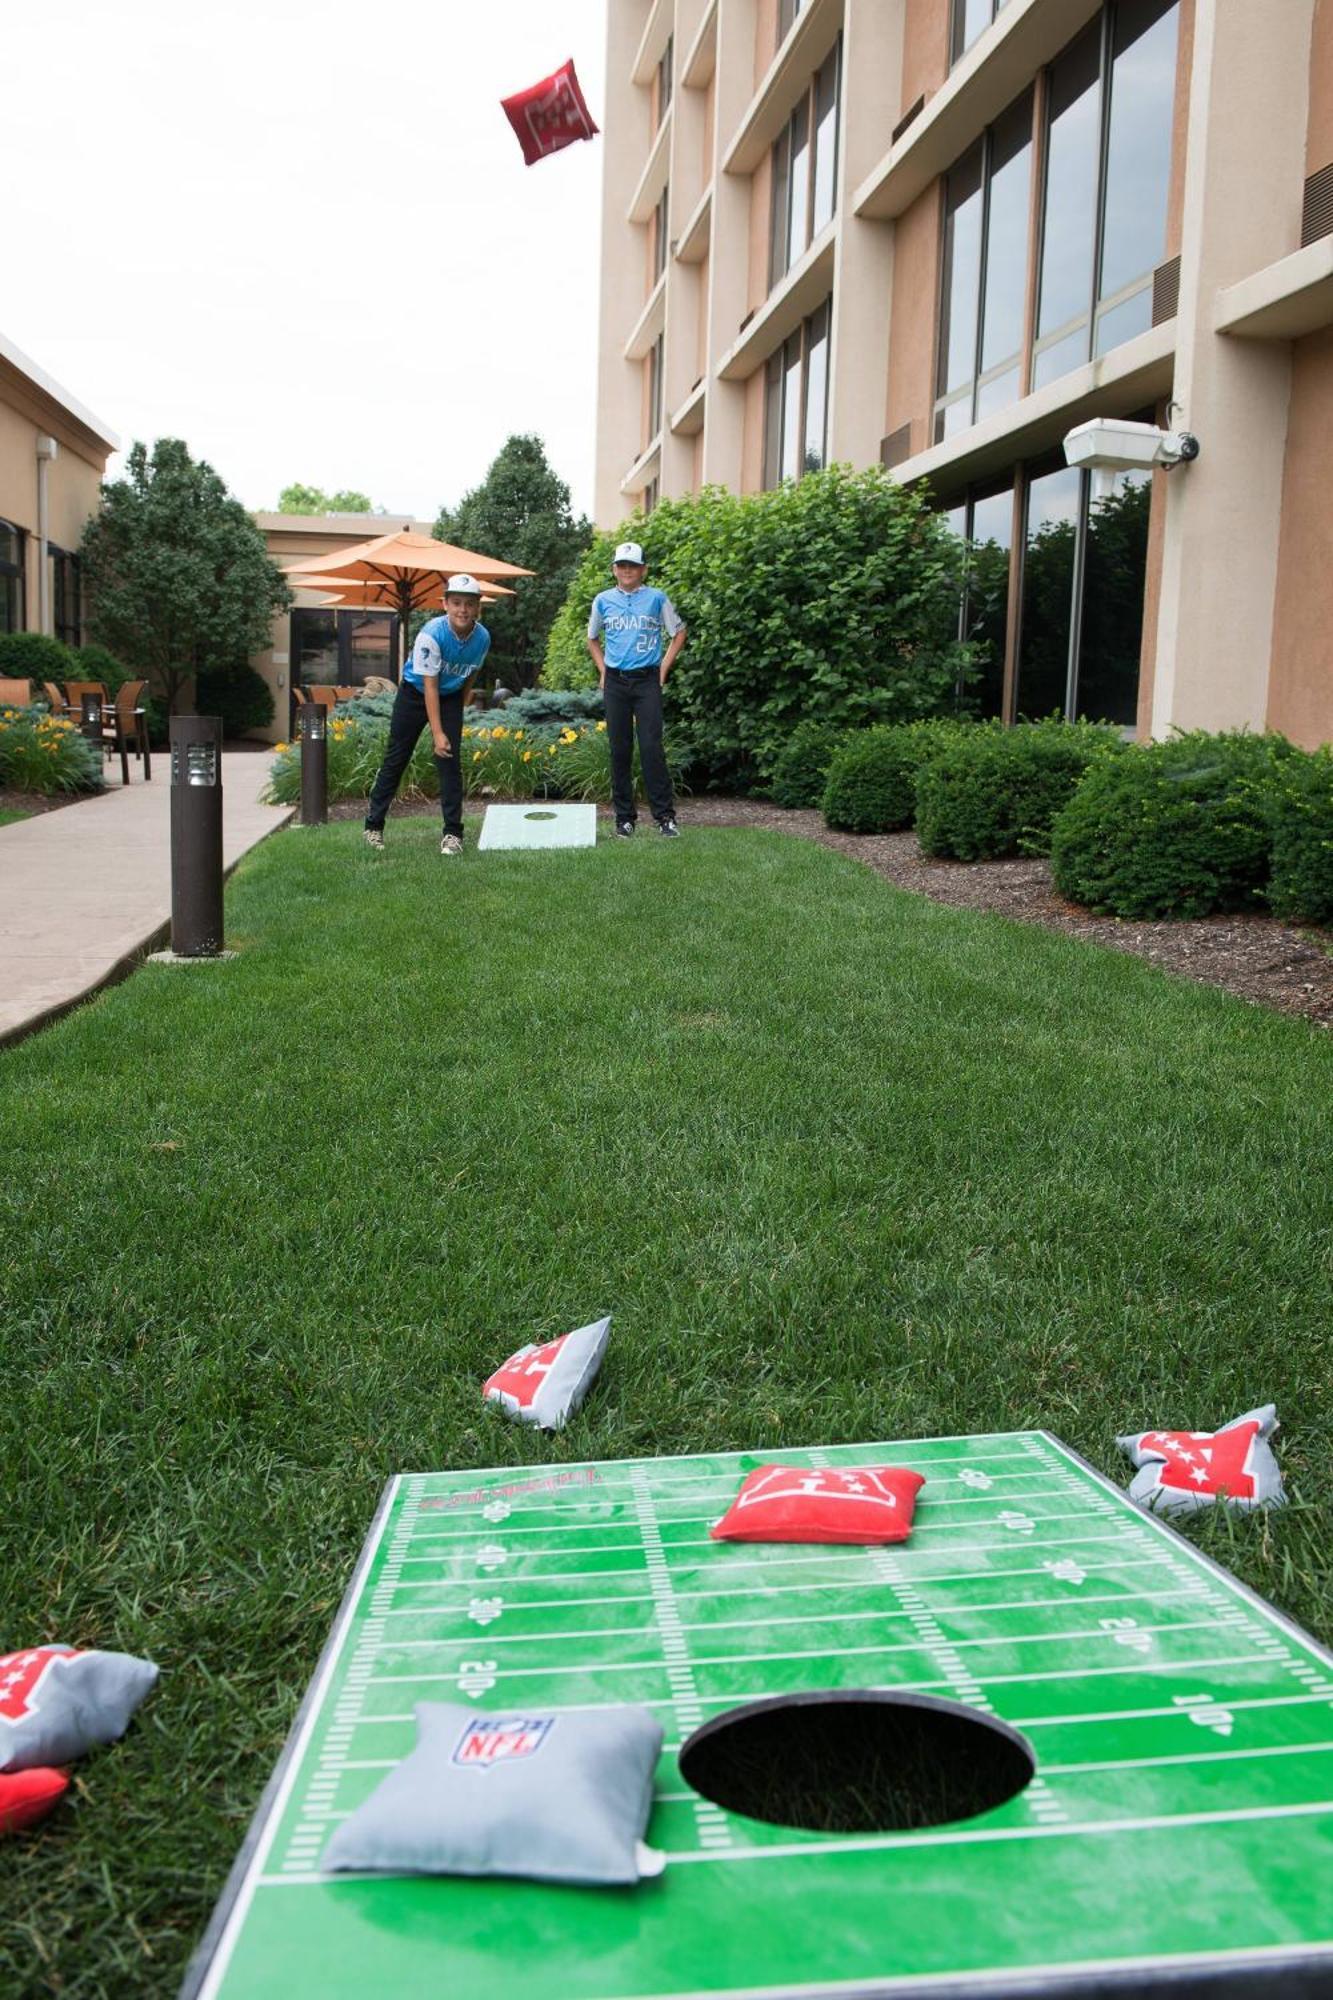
x,y
627,552
462,586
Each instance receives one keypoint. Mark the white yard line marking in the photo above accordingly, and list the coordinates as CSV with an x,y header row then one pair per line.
x,y
821,1849
1258,1755
1150,1714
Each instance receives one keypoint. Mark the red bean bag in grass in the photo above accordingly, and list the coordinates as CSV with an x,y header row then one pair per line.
x,y
1183,1471
27,1796
796,1503
545,1384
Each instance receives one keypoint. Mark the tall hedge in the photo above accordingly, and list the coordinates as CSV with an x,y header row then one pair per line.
x,y
834,598
1302,885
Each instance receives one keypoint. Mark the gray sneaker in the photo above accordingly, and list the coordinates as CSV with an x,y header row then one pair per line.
x,y
374,838
451,844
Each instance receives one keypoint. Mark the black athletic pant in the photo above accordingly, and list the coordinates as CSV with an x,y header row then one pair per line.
x,y
635,701
405,726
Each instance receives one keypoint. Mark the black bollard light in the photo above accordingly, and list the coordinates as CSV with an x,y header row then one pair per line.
x,y
314,765
196,836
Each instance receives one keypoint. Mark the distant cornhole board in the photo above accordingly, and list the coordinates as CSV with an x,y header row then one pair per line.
x,y
1174,1838
539,826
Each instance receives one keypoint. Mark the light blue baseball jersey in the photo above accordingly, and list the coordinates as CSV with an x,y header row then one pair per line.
x,y
441,656
630,624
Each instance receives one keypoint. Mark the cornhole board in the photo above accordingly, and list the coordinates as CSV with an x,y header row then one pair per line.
x,y
1176,1838
539,825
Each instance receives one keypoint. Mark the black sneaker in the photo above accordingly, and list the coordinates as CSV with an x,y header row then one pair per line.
x,y
669,828
625,828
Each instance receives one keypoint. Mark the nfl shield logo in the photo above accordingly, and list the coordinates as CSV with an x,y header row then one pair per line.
x,y
490,1739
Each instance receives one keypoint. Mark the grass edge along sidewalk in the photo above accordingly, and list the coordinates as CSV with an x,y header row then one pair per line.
x,y
842,1162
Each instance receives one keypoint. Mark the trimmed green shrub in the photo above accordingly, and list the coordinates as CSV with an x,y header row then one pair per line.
x,y
554,706
833,598
32,656
1174,829
1301,888
996,791
241,697
871,783
801,766
99,663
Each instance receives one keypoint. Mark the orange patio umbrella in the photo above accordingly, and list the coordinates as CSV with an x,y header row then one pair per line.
x,y
404,572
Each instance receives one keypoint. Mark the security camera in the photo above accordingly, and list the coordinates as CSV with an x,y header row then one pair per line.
x,y
1107,444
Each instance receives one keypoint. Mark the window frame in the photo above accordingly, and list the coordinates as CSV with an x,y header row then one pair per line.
x,y
970,392
13,581
655,399
661,224
1099,308
783,256
958,48
66,584
778,369
665,85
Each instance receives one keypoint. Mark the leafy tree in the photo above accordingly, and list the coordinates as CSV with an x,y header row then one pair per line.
x,y
178,576
833,598
297,499
520,513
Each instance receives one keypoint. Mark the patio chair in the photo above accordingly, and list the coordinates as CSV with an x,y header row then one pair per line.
x,y
327,696
128,724
55,697
76,690
299,693
14,693
347,693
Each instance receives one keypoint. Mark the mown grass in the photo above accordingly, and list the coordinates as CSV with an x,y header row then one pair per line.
x,y
10,815
842,1163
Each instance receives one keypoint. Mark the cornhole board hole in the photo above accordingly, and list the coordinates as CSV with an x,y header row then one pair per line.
x,y
539,825
1174,1838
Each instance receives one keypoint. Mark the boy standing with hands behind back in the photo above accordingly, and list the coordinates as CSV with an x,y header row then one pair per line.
x,y
625,635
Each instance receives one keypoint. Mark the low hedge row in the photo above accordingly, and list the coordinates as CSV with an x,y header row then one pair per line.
x,y
1177,829
1196,824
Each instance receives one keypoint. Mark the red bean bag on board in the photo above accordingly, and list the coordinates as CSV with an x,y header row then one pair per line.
x,y
798,1503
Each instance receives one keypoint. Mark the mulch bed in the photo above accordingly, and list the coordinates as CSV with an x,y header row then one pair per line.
x,y
33,802
1253,956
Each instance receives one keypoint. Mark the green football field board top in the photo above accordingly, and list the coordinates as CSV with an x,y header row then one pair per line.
x,y
1180,1822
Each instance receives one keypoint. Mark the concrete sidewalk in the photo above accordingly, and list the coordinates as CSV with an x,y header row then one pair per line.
x,y
85,891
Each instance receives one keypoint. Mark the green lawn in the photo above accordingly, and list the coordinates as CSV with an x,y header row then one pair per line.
x,y
10,814
842,1163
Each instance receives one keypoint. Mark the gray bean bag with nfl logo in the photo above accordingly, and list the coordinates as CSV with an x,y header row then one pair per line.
x,y
560,1797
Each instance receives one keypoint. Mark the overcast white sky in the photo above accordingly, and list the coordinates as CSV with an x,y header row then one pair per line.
x,y
301,236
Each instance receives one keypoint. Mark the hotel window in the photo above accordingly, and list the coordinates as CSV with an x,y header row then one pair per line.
x,y
796,402
652,493
1108,170
665,81
970,19
11,577
1085,560
787,12
660,224
986,523
984,279
805,170
65,596
655,389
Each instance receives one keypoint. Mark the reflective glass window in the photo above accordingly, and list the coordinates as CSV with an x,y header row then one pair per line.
x,y
1069,207
655,389
787,12
1115,566
798,199
1138,145
790,467
986,601
970,17
1050,539
1007,206
773,421
961,282
777,239
661,223
826,143
11,578
816,392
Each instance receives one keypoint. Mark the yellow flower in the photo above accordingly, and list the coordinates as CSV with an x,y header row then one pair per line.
x,y
527,756
568,735
280,747
600,727
476,756
518,736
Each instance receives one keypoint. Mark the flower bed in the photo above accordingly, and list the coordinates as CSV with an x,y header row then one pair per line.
x,y
45,753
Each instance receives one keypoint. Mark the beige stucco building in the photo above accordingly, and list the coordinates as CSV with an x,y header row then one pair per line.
x,y
53,455
937,234
315,641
